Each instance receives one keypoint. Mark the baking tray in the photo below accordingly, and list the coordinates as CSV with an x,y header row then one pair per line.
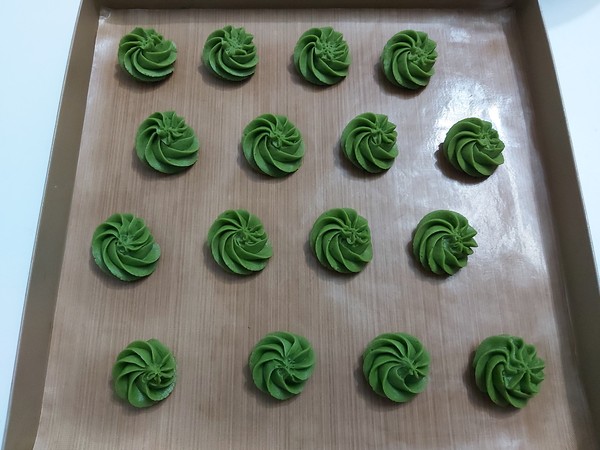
x,y
532,274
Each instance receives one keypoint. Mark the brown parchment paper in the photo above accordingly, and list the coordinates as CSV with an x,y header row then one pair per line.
x,y
211,319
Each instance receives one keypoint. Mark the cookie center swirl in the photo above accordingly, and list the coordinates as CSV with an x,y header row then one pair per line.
x,y
351,235
232,45
377,135
154,374
147,43
409,368
327,49
163,132
484,139
243,236
286,365
455,237
416,54
168,134
123,243
521,369
276,138
455,241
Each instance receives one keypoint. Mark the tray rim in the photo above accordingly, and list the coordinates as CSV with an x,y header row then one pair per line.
x,y
567,209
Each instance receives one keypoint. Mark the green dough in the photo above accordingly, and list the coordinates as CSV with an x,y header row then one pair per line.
x,y
166,143
322,56
144,373
239,243
396,366
273,145
473,146
281,363
408,59
124,247
369,142
443,241
341,240
230,53
508,370
146,55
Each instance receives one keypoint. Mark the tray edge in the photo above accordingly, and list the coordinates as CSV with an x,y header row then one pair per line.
x,y
571,230
27,389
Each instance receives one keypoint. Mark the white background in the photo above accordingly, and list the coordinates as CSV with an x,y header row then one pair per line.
x,y
33,66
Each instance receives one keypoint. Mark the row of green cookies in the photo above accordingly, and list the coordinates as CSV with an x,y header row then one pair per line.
x,y
273,145
395,365
321,56
340,238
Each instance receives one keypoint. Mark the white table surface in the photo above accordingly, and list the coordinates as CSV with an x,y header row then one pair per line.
x,y
30,87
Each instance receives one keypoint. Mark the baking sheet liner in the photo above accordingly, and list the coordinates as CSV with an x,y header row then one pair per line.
x,y
211,320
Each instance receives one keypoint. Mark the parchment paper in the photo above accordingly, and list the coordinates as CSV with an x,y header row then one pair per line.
x,y
211,320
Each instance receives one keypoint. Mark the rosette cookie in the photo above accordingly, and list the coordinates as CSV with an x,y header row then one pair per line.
x,y
281,363
273,145
369,142
124,247
408,59
144,373
473,146
230,53
239,243
508,370
322,56
443,241
341,240
146,55
166,143
396,366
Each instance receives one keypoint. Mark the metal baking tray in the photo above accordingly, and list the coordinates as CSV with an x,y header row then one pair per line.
x,y
532,274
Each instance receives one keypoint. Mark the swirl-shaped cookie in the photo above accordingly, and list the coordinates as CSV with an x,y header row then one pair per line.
x,y
369,142
281,363
322,56
230,53
508,370
166,143
124,247
473,146
408,59
146,55
273,145
238,242
442,242
145,373
341,240
396,366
